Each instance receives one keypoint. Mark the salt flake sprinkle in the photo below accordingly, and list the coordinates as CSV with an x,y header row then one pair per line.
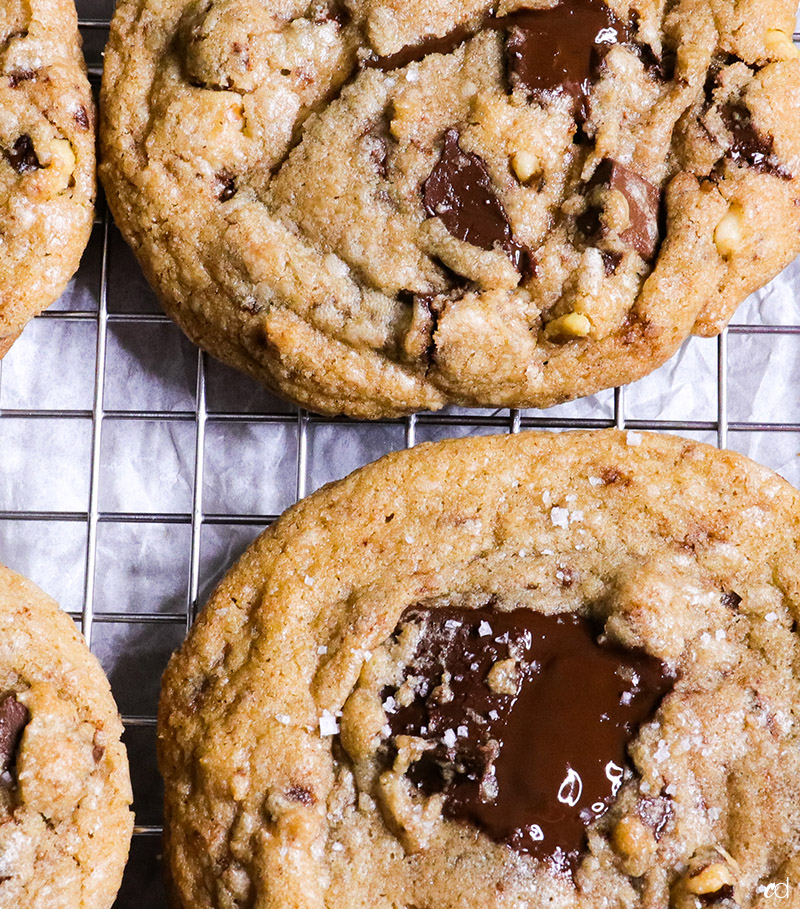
x,y
633,438
484,629
449,738
328,724
559,517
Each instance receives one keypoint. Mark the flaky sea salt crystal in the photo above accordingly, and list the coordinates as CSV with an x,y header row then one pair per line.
x,y
633,438
328,724
559,517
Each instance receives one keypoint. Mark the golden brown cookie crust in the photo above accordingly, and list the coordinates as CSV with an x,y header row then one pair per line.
x,y
271,181
269,725
47,158
65,819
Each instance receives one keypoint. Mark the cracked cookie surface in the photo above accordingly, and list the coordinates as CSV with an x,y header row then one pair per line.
x,y
47,158
343,726
382,207
65,823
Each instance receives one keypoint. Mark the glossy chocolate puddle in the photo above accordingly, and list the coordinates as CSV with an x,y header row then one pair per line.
x,y
527,720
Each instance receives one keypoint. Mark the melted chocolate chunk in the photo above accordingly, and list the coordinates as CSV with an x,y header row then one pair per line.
x,y
331,12
413,53
748,145
13,719
560,49
528,721
643,201
22,156
459,191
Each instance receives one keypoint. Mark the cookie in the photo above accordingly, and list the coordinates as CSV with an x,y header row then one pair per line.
x,y
375,208
47,158
65,792
543,669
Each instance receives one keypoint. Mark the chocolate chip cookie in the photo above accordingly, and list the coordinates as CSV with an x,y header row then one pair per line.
x,y
375,209
65,823
537,670
47,159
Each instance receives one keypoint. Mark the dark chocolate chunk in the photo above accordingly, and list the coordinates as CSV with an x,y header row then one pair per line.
x,y
731,600
459,191
22,156
556,49
528,720
560,49
225,186
19,76
748,145
14,717
611,262
725,894
643,201
331,12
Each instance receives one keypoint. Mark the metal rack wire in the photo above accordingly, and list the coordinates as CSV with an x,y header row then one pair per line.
x,y
153,622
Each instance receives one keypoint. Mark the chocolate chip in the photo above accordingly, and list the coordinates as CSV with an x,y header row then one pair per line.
x,y
748,145
97,753
14,717
460,192
611,261
561,48
19,76
660,67
225,186
22,156
528,721
730,600
643,201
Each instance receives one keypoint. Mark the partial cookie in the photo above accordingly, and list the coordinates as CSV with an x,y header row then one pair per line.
x,y
65,822
376,207
509,671
47,158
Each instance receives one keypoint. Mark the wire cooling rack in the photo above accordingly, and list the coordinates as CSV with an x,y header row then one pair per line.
x,y
134,469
